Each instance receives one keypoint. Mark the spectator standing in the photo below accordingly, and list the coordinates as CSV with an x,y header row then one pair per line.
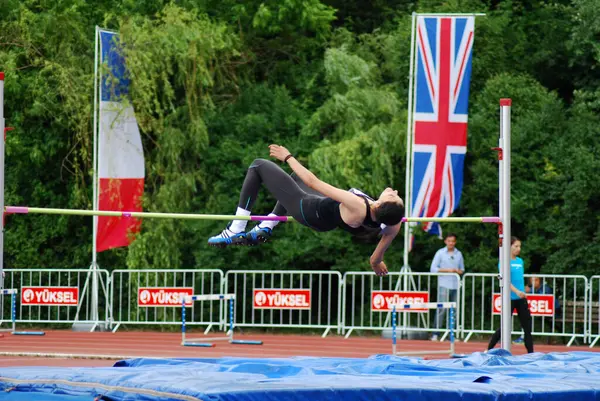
x,y
518,297
446,260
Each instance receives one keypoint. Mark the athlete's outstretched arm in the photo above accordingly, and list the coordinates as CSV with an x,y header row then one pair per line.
x,y
351,201
377,263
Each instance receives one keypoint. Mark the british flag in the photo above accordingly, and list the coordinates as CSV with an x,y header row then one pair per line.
x,y
443,71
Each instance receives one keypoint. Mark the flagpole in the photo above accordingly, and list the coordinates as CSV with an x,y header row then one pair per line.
x,y
405,317
94,266
408,173
95,165
93,270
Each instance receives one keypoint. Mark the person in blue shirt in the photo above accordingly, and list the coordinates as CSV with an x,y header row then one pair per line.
x,y
518,297
446,260
538,287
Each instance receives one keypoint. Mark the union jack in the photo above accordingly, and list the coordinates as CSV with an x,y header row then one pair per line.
x,y
443,71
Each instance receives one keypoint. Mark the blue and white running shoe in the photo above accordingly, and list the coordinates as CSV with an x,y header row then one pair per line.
x,y
227,238
258,234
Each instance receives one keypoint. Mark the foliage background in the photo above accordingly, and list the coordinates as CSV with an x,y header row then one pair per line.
x,y
215,82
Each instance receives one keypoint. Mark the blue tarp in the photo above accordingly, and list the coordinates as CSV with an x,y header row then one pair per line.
x,y
557,376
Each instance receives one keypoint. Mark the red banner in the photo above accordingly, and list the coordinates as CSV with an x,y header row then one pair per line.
x,y
539,304
59,296
281,299
124,194
382,301
163,296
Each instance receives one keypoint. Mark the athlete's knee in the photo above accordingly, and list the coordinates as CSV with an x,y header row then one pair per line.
x,y
256,163
260,162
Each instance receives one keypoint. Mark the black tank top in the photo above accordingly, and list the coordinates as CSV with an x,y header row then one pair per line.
x,y
329,214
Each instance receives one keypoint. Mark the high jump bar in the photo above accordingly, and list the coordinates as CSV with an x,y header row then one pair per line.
x,y
489,219
191,216
182,216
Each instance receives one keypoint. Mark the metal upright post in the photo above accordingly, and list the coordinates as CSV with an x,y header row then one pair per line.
x,y
394,330
231,318
505,257
452,336
13,311
501,238
2,126
182,320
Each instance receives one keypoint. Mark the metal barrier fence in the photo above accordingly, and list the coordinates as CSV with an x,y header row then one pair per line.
x,y
307,299
153,297
56,295
367,298
564,306
594,311
558,307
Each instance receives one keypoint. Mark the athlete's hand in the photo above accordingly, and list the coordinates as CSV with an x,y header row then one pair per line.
x,y
278,152
380,268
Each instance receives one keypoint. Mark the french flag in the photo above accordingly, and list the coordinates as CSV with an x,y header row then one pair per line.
x,y
120,153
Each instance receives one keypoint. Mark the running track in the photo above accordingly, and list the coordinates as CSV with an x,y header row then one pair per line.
x,y
102,349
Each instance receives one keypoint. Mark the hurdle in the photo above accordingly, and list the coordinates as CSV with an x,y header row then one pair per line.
x,y
206,341
13,310
13,316
426,305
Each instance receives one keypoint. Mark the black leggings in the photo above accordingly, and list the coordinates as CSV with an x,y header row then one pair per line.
x,y
293,196
279,210
524,317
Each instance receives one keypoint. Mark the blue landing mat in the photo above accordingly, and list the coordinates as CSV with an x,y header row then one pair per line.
x,y
478,377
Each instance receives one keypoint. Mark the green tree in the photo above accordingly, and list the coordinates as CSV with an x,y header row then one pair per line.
x,y
572,220
583,44
213,83
176,61
48,100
